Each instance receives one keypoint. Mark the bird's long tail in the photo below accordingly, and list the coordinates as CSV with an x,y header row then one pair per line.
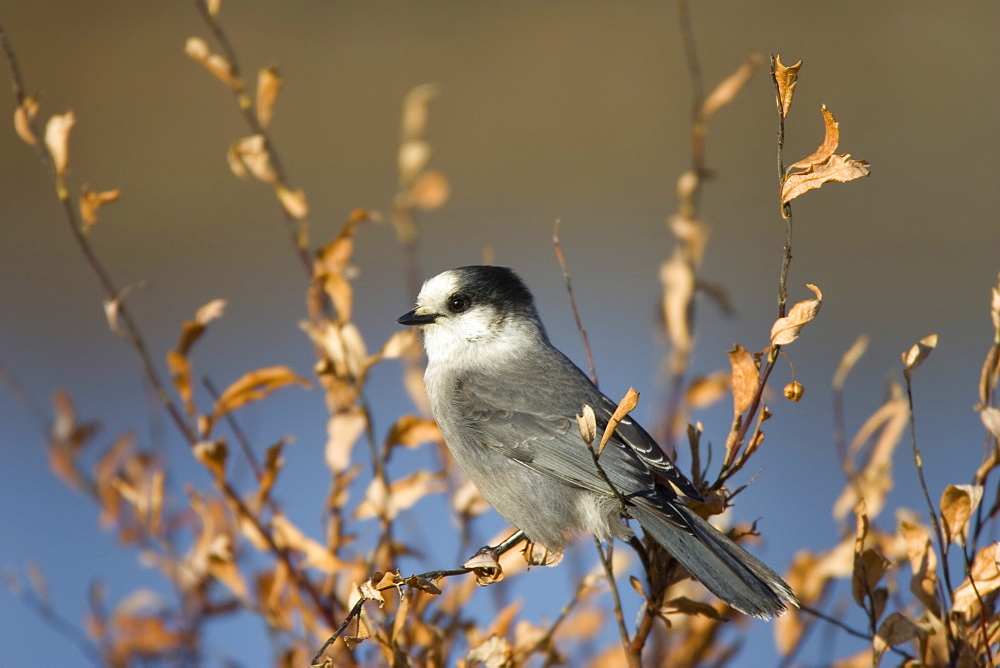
x,y
729,571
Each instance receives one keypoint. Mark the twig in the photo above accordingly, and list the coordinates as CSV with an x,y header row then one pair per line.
x,y
238,432
298,227
111,291
55,621
355,611
938,533
850,630
786,208
572,301
632,654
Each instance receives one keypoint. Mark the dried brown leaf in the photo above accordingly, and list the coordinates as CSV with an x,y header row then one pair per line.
x,y
895,630
919,352
180,375
991,420
831,139
91,201
958,502
823,166
24,117
414,155
57,140
250,156
268,84
343,431
411,430
923,563
727,89
399,344
254,386
678,281
625,406
104,474
986,575
212,454
786,78
703,391
687,606
745,378
273,462
869,568
293,202
990,373
485,567
468,501
401,495
587,424
849,359
874,480
415,110
494,652
430,190
286,534
785,330
539,555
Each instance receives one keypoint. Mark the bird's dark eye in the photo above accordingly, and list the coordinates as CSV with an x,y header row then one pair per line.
x,y
459,303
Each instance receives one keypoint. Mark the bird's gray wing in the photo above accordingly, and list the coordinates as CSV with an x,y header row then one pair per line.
x,y
532,422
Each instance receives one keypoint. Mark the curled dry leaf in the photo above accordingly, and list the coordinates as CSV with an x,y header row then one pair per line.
x,y
587,423
785,78
745,378
254,386
251,156
268,84
823,166
486,568
91,201
57,140
986,575
786,330
24,118
958,502
917,353
625,406
539,555
730,86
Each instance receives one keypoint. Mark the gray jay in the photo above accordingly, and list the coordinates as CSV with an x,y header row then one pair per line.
x,y
506,401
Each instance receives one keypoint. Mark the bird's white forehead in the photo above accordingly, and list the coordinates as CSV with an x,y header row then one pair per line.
x,y
437,289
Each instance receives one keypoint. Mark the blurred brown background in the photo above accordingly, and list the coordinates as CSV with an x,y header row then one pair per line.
x,y
569,110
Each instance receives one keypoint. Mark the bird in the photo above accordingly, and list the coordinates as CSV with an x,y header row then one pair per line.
x,y
506,401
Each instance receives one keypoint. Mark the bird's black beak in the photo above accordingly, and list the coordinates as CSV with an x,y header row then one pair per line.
x,y
414,318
